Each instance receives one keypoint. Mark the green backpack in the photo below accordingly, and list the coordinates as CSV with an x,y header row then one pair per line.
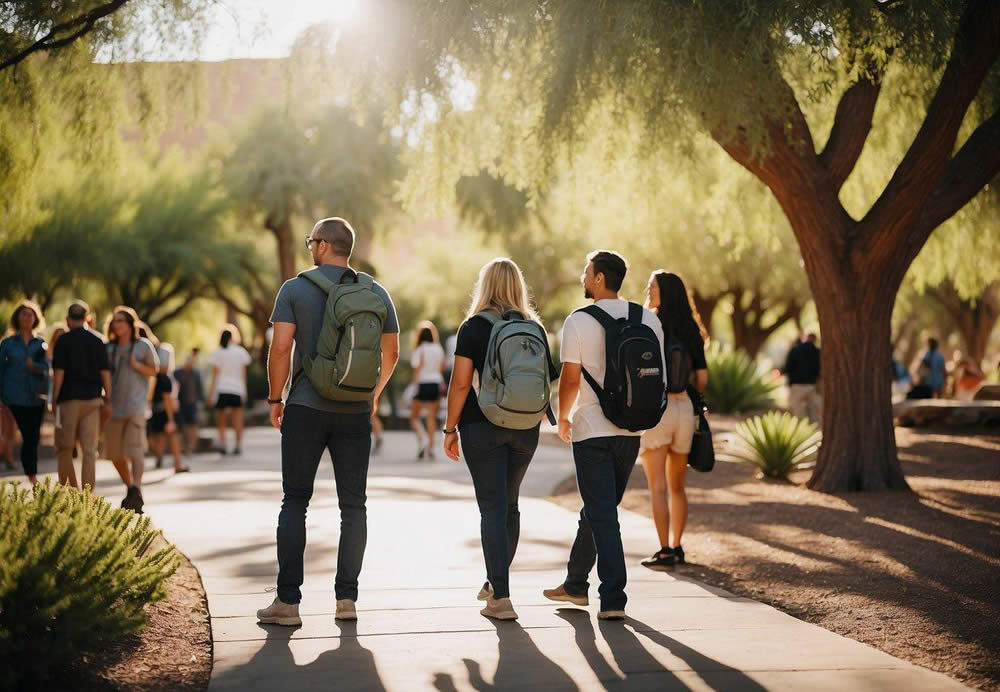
x,y
348,357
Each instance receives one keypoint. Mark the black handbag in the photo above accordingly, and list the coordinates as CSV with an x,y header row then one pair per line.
x,y
702,455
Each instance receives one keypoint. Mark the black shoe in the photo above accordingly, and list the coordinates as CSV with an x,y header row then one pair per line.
x,y
679,555
237,452
132,500
661,561
138,501
377,447
159,462
421,453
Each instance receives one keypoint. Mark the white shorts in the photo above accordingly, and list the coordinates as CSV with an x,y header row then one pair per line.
x,y
676,429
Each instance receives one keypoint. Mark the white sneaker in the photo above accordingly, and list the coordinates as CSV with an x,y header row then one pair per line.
x,y
346,610
499,609
485,593
279,613
611,615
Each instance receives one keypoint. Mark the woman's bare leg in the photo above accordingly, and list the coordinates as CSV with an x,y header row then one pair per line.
x,y
238,426
220,426
654,461
432,424
415,425
676,470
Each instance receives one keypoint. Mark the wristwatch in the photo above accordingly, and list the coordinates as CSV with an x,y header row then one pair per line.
x,y
274,401
449,432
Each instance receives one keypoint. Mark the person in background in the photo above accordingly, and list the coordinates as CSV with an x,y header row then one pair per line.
x,y
802,370
7,434
190,393
134,363
428,364
966,378
163,422
81,388
53,339
931,373
664,449
24,368
228,390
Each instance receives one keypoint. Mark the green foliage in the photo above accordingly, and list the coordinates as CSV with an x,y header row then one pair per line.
x,y
777,443
76,574
735,383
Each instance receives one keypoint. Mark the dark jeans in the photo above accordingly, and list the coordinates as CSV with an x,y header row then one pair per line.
x,y
29,422
603,465
498,459
305,433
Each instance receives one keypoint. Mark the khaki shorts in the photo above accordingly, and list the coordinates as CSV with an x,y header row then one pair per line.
x,y
676,429
125,437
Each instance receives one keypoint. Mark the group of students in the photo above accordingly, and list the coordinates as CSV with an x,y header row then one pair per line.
x,y
120,386
615,357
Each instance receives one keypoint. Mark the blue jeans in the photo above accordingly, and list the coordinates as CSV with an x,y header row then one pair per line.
x,y
305,433
603,465
498,459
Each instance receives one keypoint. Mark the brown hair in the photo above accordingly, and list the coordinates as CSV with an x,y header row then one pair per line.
x,y
426,332
130,316
27,305
338,233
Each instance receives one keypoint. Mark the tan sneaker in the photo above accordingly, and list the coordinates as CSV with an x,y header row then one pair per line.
x,y
611,615
346,610
485,593
559,594
499,609
279,613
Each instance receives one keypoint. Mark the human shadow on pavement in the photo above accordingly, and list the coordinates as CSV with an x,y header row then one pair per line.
x,y
521,665
696,661
350,666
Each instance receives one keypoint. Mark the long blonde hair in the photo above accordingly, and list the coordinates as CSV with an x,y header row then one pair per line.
x,y
500,288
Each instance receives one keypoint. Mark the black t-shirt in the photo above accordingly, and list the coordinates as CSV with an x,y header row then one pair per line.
x,y
698,361
473,339
82,355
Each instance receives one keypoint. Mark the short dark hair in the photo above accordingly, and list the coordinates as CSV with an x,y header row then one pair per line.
x,y
932,343
78,310
612,265
338,233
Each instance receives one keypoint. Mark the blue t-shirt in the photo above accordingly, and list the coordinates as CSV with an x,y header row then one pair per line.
x,y
303,303
934,362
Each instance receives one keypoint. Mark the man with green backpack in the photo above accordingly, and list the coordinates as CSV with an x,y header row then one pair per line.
x,y
346,345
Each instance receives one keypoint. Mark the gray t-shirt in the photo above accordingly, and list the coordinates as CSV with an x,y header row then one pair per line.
x,y
130,388
302,303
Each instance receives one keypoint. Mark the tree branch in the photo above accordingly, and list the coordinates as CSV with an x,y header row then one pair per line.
x,y
973,167
851,126
82,24
977,45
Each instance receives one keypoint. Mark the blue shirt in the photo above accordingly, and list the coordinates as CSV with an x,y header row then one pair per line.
x,y
934,362
18,387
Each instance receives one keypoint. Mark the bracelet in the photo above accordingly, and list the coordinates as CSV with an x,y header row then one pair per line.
x,y
450,432
274,401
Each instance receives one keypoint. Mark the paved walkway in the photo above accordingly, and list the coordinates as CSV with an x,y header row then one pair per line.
x,y
419,625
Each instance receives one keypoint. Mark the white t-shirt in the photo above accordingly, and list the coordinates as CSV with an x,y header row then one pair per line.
x,y
583,343
430,356
232,363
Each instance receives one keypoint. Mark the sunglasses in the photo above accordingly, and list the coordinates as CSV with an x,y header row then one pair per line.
x,y
310,240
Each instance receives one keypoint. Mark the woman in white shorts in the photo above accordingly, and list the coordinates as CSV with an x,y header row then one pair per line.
x,y
664,449
428,361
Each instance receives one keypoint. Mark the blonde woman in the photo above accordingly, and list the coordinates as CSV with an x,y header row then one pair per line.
x,y
497,457
428,361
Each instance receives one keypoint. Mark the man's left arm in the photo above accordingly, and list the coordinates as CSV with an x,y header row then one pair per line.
x,y
390,357
279,364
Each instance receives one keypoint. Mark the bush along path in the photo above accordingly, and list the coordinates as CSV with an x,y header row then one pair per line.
x,y
77,575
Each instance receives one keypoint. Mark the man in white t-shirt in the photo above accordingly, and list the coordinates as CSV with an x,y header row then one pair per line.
x,y
604,454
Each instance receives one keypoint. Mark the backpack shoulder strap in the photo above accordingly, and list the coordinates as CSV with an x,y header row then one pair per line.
x,y
489,316
366,280
316,276
606,320
634,313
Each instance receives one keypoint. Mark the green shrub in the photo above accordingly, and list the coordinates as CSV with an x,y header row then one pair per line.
x,y
74,573
777,443
735,383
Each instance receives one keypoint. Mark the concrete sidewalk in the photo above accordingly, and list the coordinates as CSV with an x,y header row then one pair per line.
x,y
419,625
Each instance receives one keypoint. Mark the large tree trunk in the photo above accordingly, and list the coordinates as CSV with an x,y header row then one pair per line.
x,y
859,445
749,315
282,231
705,305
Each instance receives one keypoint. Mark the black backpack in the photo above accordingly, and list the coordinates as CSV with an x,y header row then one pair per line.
x,y
633,396
678,362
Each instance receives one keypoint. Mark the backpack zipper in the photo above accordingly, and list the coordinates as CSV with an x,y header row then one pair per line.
x,y
496,352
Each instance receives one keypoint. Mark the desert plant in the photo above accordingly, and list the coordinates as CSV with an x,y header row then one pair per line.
x,y
735,383
76,573
777,443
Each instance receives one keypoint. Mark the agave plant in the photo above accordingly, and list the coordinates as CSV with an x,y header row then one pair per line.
x,y
777,443
735,383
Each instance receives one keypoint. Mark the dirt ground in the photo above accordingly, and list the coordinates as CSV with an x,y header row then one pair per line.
x,y
916,575
173,652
